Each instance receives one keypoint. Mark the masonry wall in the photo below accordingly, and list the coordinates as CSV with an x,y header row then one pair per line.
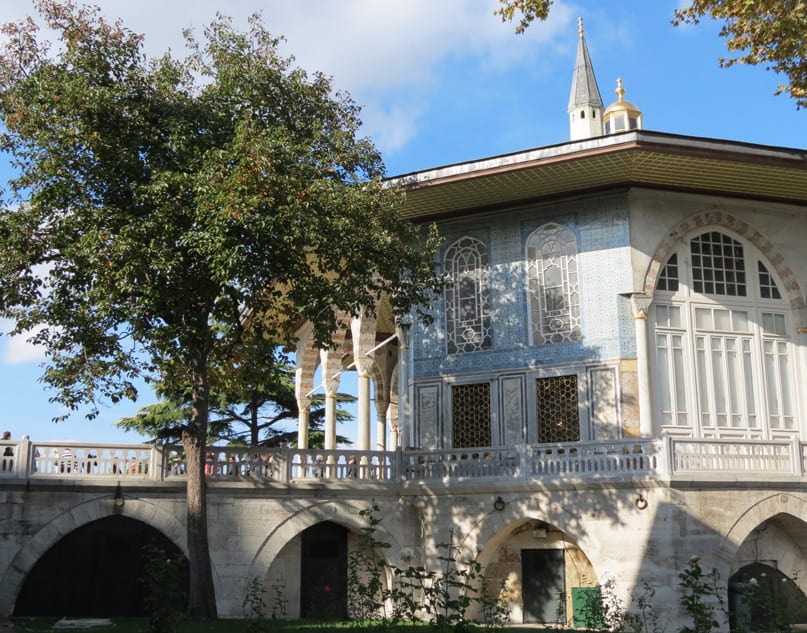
x,y
606,533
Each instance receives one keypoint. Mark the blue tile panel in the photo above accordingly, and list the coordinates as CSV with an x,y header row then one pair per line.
x,y
600,226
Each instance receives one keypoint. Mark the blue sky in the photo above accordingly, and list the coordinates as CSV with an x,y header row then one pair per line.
x,y
446,82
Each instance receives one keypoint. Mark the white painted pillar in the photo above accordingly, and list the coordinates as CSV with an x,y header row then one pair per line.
x,y
306,361
381,431
800,363
640,304
392,425
363,410
330,420
331,364
363,330
304,408
404,329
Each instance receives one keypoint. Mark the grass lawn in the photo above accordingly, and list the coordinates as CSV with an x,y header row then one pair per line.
x,y
140,625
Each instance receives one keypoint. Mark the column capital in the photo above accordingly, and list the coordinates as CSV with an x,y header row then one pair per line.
x,y
639,304
403,328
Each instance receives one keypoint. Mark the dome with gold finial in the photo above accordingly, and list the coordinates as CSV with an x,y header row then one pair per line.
x,y
621,115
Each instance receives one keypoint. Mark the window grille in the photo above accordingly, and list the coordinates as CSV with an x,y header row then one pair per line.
x,y
558,411
470,408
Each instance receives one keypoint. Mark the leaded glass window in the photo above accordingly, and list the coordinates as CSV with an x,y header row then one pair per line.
x,y
554,291
468,327
470,409
557,407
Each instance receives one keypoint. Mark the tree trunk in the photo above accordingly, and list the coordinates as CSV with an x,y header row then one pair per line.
x,y
254,429
202,598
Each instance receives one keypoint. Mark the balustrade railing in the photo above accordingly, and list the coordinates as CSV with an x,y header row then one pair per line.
x,y
671,457
612,457
765,457
460,463
66,460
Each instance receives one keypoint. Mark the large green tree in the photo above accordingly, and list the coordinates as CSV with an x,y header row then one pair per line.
x,y
769,32
166,208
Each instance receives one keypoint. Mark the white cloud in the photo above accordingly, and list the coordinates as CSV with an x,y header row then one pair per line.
x,y
370,47
18,349
391,128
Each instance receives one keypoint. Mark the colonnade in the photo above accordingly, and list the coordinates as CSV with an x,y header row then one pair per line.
x,y
380,359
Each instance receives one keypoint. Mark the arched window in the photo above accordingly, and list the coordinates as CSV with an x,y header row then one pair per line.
x,y
467,304
553,288
723,352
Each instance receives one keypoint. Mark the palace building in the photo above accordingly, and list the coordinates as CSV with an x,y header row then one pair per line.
x,y
611,385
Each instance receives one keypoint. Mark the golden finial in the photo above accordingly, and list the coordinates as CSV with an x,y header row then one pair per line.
x,y
580,26
620,91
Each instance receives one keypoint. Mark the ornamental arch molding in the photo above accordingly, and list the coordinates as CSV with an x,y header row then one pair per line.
x,y
346,515
754,516
719,218
494,528
75,518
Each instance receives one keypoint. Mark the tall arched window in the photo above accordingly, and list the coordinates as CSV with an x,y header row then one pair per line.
x,y
723,353
553,288
468,326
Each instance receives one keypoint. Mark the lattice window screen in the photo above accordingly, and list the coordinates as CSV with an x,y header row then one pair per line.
x,y
558,411
470,407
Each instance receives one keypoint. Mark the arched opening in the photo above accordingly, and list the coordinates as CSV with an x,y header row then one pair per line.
x,y
767,584
539,574
761,597
95,571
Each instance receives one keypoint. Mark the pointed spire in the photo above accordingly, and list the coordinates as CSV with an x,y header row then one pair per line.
x,y
584,84
585,102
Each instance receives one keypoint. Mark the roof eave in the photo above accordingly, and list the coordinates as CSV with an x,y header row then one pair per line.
x,y
636,158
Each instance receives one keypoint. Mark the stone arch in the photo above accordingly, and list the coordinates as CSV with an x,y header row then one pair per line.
x,y
762,510
717,217
492,528
497,541
307,360
77,516
379,383
344,514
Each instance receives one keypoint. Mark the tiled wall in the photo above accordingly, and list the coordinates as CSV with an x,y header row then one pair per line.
x,y
601,229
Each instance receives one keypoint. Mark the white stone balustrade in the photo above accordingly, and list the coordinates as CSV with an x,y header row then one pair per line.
x,y
669,458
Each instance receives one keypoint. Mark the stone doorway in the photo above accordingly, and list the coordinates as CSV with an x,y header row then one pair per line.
x,y
323,575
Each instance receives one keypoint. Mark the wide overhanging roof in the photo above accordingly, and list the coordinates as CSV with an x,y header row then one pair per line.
x,y
638,158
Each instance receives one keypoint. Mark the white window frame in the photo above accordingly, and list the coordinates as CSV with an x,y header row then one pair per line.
x,y
753,401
